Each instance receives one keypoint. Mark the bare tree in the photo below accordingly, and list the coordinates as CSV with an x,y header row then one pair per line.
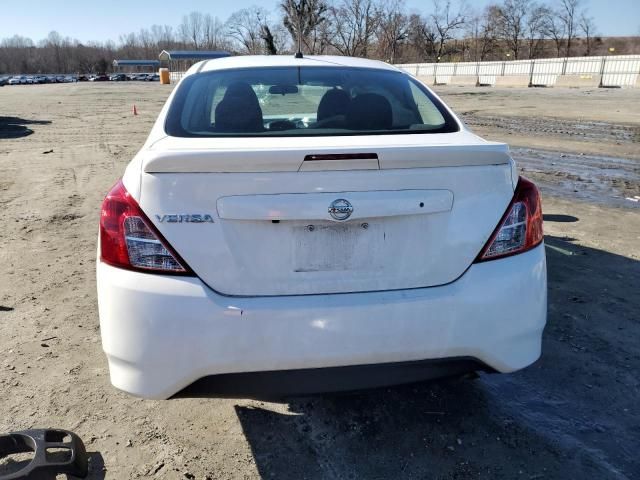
x,y
17,41
56,54
147,44
354,25
422,38
447,21
554,28
512,18
84,58
393,29
483,30
588,27
568,14
246,28
163,36
191,29
212,32
54,41
304,19
535,29
129,45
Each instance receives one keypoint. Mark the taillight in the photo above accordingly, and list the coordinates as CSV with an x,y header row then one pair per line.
x,y
520,228
129,240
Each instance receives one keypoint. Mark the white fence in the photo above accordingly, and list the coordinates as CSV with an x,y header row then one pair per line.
x,y
175,77
610,71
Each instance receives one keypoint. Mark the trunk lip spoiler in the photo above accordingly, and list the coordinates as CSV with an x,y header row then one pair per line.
x,y
271,158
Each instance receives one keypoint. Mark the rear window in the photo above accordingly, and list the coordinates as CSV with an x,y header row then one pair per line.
x,y
304,101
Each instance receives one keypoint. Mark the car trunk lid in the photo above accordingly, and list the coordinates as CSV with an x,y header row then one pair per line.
x,y
420,210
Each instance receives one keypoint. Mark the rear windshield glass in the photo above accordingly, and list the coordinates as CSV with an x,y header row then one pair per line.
x,y
294,101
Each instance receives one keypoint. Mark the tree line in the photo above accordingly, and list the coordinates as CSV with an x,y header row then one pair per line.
x,y
381,29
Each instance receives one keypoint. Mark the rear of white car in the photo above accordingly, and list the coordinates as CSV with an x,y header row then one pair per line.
x,y
302,225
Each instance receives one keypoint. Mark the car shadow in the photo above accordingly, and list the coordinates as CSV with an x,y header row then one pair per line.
x,y
550,217
15,127
551,420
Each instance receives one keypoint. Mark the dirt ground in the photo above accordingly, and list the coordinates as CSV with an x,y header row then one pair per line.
x,y
573,414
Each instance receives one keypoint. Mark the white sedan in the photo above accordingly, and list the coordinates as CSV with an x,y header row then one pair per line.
x,y
303,225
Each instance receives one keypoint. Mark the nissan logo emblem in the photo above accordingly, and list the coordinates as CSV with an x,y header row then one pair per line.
x,y
340,209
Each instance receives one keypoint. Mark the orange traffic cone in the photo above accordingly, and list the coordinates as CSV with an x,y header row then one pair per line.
x,y
135,110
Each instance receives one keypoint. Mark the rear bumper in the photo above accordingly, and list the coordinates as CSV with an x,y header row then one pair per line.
x,y
277,384
162,334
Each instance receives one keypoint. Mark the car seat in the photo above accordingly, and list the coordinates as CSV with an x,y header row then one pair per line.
x,y
369,111
239,111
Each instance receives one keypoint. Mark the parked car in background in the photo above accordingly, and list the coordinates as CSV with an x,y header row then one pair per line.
x,y
99,78
153,77
118,77
16,81
301,225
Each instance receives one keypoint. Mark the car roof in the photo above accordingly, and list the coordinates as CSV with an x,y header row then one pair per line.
x,y
248,61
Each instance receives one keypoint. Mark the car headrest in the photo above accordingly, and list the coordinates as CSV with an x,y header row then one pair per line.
x,y
333,102
239,111
369,111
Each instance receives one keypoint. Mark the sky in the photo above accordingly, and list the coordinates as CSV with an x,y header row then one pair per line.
x,y
89,20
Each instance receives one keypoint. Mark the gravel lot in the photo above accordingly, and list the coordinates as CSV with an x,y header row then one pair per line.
x,y
574,414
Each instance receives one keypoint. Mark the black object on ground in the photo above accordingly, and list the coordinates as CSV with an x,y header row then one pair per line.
x,y
54,452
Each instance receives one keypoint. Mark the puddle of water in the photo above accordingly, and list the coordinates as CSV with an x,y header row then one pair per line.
x,y
591,178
